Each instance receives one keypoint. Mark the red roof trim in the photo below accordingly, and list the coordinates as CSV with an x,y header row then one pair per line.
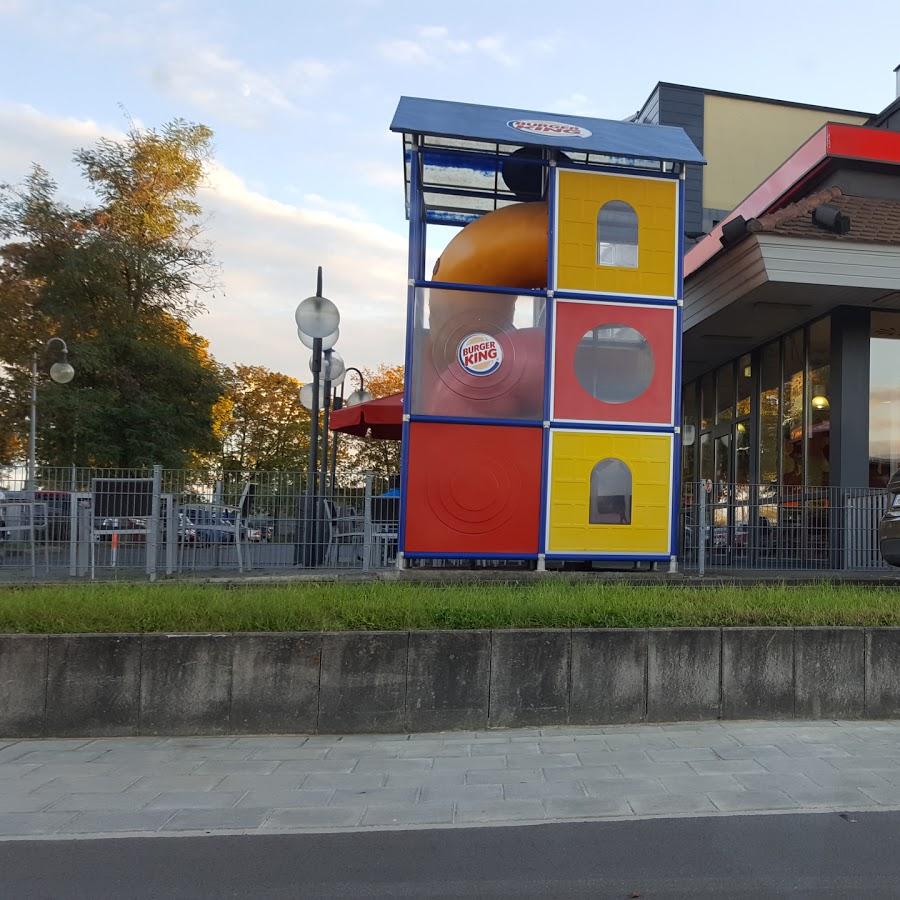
x,y
831,141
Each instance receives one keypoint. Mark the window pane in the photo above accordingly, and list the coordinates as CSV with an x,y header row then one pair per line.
x,y
707,401
610,501
617,235
792,405
725,393
769,415
478,355
818,391
744,386
884,397
706,456
742,454
689,433
614,363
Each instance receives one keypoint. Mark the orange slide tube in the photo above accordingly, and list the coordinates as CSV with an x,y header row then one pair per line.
x,y
504,248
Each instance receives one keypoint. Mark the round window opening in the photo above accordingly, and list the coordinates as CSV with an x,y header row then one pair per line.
x,y
614,363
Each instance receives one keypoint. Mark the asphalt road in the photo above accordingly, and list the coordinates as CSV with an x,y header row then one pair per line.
x,y
813,855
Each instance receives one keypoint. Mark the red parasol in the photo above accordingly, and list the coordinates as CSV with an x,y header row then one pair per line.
x,y
381,418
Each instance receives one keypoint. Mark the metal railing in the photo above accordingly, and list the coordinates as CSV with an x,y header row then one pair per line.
x,y
780,527
115,523
98,523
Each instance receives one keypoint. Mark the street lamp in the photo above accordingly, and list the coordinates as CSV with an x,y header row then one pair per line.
x,y
62,373
358,396
317,319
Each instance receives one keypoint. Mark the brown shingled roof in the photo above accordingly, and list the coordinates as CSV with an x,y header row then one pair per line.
x,y
873,219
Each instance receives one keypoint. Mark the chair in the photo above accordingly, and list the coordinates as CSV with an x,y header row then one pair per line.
x,y
345,531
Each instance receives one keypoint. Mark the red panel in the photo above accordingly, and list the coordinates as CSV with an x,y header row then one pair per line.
x,y
572,402
473,489
857,142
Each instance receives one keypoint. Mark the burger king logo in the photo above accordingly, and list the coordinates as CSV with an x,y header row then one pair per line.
x,y
550,129
480,354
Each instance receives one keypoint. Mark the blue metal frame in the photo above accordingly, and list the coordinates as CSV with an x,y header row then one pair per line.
x,y
425,554
610,557
562,425
676,412
637,171
616,298
479,288
415,262
419,216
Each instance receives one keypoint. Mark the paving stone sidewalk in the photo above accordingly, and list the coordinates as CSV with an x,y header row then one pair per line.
x,y
189,785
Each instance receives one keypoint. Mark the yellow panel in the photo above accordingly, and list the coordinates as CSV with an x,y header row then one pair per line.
x,y
744,141
573,457
580,198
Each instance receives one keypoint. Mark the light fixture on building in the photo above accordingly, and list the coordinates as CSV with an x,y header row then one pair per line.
x,y
830,218
741,427
820,402
748,371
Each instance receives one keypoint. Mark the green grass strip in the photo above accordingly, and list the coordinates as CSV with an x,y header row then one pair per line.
x,y
376,606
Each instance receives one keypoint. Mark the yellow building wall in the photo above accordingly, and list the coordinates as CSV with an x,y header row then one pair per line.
x,y
744,141
579,199
573,457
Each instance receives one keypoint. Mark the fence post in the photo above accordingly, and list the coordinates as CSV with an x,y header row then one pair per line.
x,y
367,525
153,524
172,534
73,525
701,537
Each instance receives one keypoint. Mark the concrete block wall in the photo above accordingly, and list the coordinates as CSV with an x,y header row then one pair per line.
x,y
348,682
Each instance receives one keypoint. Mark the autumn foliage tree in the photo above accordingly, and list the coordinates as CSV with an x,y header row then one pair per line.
x,y
262,422
120,280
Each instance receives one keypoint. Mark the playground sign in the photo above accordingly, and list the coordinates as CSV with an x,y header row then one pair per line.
x,y
480,354
544,127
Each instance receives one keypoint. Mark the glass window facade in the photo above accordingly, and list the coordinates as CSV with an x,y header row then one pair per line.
x,y
769,413
884,397
792,410
818,405
765,418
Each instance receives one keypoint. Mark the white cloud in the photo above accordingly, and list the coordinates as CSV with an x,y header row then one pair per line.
x,y
210,80
436,45
577,104
268,249
406,52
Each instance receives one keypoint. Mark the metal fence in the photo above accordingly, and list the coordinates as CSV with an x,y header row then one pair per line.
x,y
107,524
772,527
97,523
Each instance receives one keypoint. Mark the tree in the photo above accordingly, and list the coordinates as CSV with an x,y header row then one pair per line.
x,y
368,454
119,280
263,426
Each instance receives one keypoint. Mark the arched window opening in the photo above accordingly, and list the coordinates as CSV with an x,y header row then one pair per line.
x,y
610,493
617,235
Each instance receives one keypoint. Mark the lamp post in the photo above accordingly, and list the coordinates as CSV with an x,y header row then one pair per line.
x,y
317,320
358,396
60,372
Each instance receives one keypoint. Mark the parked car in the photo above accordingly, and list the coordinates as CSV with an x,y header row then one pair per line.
x,y
211,524
260,530
889,527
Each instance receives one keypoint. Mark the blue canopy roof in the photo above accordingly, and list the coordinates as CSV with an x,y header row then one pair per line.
x,y
461,121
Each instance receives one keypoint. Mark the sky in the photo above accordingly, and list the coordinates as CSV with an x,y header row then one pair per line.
x,y
300,95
